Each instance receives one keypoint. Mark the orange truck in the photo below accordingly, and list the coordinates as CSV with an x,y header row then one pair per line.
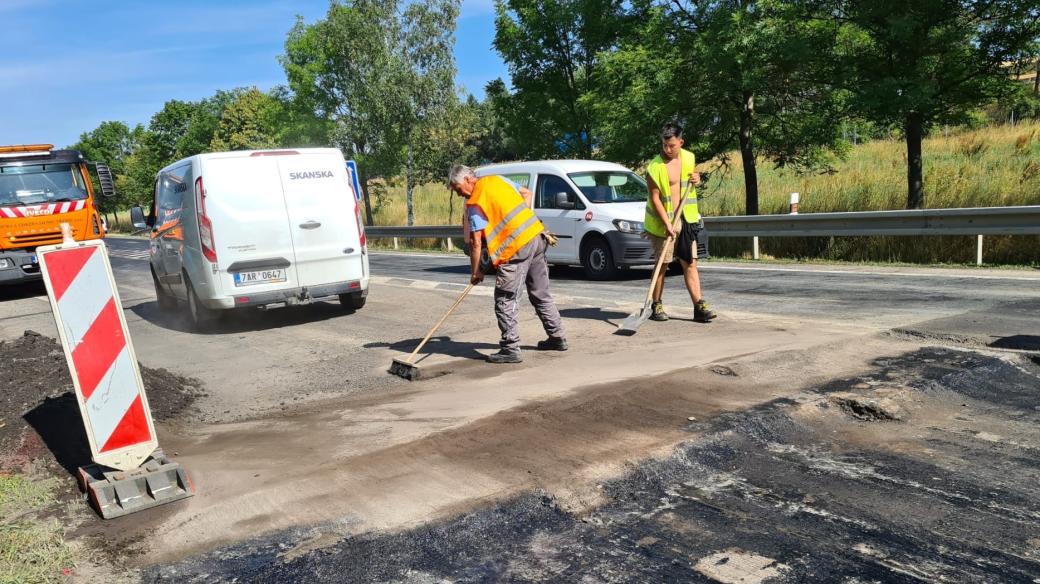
x,y
41,188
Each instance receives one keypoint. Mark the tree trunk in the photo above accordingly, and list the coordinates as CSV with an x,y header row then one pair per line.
x,y
914,130
1036,80
364,196
747,154
408,188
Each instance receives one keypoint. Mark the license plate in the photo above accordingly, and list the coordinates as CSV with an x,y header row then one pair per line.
x,y
259,277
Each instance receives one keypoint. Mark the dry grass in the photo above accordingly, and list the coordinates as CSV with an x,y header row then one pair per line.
x,y
31,549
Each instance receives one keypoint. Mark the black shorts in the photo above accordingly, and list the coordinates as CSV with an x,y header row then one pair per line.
x,y
690,235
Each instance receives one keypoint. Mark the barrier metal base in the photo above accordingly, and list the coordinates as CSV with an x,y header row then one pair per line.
x,y
114,493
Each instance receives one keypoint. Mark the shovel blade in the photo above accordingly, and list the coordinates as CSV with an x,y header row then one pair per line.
x,y
631,324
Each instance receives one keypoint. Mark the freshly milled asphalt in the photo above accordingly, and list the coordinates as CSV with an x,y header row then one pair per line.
x,y
754,494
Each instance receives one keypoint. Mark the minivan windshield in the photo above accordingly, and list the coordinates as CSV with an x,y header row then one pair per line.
x,y
40,183
610,186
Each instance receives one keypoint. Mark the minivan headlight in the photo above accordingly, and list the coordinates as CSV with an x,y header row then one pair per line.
x,y
628,226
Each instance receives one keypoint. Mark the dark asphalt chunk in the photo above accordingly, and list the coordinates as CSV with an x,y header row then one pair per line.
x,y
790,491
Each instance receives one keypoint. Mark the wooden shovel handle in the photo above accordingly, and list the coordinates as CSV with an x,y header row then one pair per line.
x,y
676,215
440,322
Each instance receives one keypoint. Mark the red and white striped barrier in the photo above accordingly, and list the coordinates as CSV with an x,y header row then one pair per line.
x,y
101,358
40,210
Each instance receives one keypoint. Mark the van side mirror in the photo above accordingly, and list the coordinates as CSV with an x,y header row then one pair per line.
x,y
563,201
108,184
137,219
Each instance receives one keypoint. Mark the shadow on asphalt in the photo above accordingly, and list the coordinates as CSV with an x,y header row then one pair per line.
x,y
242,320
569,273
57,421
21,291
1018,342
593,314
440,345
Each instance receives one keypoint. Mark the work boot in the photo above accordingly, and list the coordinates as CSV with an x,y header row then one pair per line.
x,y
553,344
701,312
658,312
504,356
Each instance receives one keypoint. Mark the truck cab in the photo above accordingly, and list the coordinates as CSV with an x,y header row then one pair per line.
x,y
41,188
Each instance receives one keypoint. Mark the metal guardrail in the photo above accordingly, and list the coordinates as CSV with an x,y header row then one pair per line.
x,y
972,221
977,221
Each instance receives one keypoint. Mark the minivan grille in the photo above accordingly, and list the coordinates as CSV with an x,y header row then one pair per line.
x,y
638,253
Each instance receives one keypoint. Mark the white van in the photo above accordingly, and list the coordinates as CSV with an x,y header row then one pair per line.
x,y
258,228
595,208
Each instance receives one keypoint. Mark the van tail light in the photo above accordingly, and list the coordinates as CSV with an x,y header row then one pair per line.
x,y
97,226
360,223
205,225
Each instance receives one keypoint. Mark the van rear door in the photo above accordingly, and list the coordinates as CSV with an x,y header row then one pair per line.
x,y
322,219
251,232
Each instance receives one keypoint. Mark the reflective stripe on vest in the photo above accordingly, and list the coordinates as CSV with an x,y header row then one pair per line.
x,y
657,170
519,232
511,223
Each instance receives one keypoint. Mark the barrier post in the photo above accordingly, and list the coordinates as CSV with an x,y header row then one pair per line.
x,y
978,251
130,473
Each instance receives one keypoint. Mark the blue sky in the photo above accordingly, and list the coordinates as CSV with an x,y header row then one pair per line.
x,y
68,65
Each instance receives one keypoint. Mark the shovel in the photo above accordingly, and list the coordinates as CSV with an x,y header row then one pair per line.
x,y
407,368
631,324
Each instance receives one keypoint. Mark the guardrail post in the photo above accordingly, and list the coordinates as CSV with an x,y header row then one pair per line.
x,y
395,243
754,243
794,203
978,251
451,246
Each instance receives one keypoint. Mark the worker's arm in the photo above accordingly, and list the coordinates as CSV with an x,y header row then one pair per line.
x,y
475,249
655,199
528,196
466,235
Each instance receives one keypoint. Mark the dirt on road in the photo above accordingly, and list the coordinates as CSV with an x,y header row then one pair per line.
x,y
40,423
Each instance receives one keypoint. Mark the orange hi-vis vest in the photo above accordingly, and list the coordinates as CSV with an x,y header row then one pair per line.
x,y
511,223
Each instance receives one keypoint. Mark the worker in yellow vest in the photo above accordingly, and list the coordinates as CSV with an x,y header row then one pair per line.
x,y
666,174
500,218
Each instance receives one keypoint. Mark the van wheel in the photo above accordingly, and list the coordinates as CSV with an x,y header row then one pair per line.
x,y
199,316
353,301
166,302
598,260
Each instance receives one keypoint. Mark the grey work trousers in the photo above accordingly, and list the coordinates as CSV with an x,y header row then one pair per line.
x,y
528,268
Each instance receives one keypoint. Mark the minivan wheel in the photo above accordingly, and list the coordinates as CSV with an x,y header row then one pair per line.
x,y
200,316
354,301
166,302
598,260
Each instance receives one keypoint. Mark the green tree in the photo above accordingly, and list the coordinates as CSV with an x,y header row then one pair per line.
x,y
112,143
247,123
553,49
917,63
378,73
738,73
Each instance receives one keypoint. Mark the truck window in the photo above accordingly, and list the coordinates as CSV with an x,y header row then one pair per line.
x,y
40,183
548,186
173,186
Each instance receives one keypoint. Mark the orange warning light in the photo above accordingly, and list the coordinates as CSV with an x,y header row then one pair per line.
x,y
26,148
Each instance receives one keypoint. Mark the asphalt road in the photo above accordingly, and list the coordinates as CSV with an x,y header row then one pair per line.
x,y
836,424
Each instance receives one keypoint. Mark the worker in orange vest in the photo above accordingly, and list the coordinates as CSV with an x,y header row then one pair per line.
x,y
500,218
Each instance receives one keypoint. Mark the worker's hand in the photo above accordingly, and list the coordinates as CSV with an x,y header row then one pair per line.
x,y
671,231
695,179
476,278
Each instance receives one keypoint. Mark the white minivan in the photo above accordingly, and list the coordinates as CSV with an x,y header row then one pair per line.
x,y
595,208
260,228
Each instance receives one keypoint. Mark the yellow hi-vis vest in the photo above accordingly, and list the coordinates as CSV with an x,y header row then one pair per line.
x,y
511,223
658,172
